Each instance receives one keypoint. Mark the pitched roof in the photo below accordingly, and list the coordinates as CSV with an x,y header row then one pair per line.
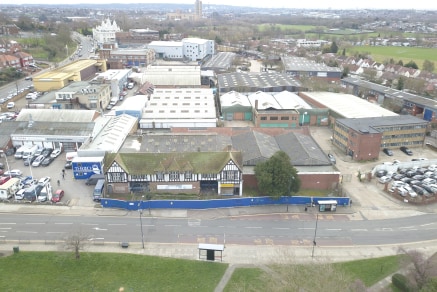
x,y
149,163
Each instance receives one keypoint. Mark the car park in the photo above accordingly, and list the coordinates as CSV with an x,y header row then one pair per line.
x,y
47,161
398,176
406,150
418,177
387,151
13,173
19,195
417,189
28,161
4,179
415,182
397,183
57,196
401,191
38,160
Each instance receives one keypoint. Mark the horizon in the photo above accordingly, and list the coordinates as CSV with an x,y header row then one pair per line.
x,y
278,4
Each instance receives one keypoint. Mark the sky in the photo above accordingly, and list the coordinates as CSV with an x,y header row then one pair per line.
x,y
308,4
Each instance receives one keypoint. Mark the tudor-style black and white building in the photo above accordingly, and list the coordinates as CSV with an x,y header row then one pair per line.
x,y
190,173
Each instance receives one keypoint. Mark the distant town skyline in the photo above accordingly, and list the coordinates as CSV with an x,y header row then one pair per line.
x,y
310,4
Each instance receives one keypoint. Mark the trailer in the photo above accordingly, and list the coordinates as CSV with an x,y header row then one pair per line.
x,y
9,188
84,167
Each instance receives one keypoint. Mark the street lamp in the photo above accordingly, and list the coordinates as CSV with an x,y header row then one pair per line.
x,y
315,234
140,206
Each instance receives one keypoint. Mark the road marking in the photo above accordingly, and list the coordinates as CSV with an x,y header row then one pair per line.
x,y
115,224
26,231
34,223
427,224
309,228
62,223
334,229
281,228
253,227
363,229
406,227
7,223
6,228
101,229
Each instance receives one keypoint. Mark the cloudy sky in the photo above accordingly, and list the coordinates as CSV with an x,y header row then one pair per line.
x,y
309,4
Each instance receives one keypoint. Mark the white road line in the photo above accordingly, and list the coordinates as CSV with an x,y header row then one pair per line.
x,y
253,227
26,231
406,227
427,224
5,228
34,223
362,229
334,229
281,228
309,228
63,223
7,223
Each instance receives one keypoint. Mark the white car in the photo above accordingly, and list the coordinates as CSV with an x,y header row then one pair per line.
x,y
10,105
384,179
20,194
38,160
44,180
55,153
13,173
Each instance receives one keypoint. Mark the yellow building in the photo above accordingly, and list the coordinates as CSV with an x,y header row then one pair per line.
x,y
60,77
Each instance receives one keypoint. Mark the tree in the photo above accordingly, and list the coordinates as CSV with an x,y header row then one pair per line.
x,y
421,269
334,48
400,85
411,64
276,176
76,242
428,66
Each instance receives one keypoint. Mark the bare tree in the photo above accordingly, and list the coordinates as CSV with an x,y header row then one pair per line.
x,y
420,271
76,242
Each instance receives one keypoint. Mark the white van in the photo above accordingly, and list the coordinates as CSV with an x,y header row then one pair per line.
x,y
30,152
69,156
113,101
20,151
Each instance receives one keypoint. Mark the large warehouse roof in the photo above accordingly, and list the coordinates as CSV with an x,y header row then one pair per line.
x,y
349,106
173,75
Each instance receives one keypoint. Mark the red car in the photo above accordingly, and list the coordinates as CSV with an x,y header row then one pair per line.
x,y
57,196
4,179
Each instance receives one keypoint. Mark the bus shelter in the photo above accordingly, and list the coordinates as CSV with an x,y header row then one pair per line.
x,y
327,205
208,251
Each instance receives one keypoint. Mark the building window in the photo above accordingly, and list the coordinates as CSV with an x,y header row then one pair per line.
x,y
285,118
159,176
116,177
174,175
273,118
188,176
230,175
263,118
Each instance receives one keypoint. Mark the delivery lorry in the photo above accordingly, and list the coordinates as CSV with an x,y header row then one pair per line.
x,y
84,167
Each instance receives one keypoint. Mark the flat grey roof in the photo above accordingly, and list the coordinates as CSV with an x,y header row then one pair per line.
x,y
256,80
221,61
371,125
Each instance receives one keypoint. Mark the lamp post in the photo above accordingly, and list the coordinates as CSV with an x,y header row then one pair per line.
x,y
140,206
315,234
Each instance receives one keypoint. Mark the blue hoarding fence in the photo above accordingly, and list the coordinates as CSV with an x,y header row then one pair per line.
x,y
219,203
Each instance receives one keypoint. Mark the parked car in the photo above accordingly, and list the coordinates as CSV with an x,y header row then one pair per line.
x,y
402,192
68,164
44,180
47,161
38,160
13,173
332,158
28,161
380,173
406,150
57,196
4,179
387,151
55,153
19,195
10,105
46,152
384,179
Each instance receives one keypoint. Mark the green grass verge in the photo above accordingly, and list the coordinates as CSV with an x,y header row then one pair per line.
x,y
247,279
59,271
371,271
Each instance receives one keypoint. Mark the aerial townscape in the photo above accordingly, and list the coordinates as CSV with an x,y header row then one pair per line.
x,y
205,147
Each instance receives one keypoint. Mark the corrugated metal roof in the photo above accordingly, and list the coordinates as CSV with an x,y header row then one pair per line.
x,y
57,115
348,105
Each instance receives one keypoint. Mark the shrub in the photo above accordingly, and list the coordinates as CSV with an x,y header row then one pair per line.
x,y
400,282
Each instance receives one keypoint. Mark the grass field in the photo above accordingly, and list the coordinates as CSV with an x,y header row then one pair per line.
x,y
406,54
51,271
303,28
